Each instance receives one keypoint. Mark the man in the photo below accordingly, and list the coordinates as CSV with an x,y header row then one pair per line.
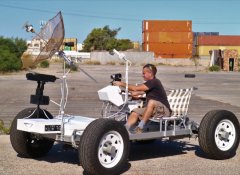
x,y
156,98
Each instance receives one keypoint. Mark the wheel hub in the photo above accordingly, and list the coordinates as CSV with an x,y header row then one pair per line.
x,y
109,149
225,135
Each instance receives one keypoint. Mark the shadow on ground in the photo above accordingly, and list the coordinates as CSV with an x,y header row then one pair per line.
x,y
161,148
139,150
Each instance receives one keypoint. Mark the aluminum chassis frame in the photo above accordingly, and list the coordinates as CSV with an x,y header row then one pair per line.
x,y
157,130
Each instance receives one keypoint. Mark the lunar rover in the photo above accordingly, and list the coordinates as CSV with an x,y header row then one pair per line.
x,y
103,143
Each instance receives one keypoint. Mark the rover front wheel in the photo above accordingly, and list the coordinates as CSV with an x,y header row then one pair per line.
x,y
104,147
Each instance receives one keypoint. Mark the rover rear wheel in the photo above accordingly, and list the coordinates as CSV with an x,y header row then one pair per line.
x,y
27,144
219,134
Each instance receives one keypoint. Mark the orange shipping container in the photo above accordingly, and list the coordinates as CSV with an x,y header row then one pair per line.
x,y
166,26
168,37
221,40
159,55
168,49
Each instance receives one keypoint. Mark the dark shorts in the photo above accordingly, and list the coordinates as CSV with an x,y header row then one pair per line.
x,y
159,111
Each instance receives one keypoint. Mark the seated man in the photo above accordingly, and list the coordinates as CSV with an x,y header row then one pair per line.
x,y
156,98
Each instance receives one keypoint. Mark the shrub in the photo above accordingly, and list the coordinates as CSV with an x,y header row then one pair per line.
x,y
214,68
44,64
9,61
73,67
10,53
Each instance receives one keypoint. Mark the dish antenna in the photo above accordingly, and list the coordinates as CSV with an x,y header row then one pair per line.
x,y
51,38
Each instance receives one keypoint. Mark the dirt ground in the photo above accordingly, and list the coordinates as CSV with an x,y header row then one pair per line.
x,y
216,90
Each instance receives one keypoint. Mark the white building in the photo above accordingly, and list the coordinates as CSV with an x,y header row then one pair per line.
x,y
35,46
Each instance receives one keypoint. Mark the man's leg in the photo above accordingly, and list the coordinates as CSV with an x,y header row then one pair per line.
x,y
149,110
132,119
147,113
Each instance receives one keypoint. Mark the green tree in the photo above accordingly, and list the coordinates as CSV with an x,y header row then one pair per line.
x,y
104,39
124,44
112,44
21,46
10,53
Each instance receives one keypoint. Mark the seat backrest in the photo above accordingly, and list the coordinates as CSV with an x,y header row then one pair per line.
x,y
179,101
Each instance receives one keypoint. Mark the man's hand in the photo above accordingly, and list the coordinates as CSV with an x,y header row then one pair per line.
x,y
141,87
117,83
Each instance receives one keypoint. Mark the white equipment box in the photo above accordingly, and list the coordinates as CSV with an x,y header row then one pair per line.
x,y
53,126
112,94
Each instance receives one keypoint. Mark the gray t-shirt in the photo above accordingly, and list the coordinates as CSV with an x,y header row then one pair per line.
x,y
156,92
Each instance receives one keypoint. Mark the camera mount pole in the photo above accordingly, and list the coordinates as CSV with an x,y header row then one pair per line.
x,y
122,56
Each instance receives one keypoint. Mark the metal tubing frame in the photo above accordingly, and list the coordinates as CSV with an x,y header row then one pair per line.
x,y
64,94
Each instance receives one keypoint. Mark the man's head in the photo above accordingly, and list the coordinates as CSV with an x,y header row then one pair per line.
x,y
149,72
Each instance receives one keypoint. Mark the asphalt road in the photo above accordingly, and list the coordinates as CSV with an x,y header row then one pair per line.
x,y
217,90
183,157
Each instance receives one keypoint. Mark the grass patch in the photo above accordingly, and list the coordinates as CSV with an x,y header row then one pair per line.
x,y
121,63
3,129
160,64
153,63
111,63
89,62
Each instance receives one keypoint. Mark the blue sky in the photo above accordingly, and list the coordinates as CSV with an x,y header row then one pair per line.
x,y
81,16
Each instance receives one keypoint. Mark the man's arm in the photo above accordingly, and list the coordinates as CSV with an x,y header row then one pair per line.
x,y
140,87
137,94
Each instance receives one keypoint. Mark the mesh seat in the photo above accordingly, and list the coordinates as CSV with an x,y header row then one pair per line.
x,y
179,101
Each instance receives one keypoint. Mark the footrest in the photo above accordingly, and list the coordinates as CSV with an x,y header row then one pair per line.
x,y
41,77
158,119
169,118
